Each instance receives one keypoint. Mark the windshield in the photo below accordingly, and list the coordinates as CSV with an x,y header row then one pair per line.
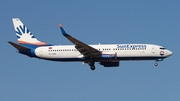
x,y
162,48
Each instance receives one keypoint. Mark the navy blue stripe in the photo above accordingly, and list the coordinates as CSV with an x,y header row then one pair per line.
x,y
118,58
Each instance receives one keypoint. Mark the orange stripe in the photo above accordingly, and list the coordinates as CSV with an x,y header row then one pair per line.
x,y
37,43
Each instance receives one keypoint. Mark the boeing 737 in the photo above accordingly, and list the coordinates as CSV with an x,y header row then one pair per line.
x,y
108,55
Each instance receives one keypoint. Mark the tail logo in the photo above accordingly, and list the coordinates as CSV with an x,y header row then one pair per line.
x,y
22,31
26,37
23,34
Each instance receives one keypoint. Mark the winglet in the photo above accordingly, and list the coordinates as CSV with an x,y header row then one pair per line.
x,y
62,30
60,25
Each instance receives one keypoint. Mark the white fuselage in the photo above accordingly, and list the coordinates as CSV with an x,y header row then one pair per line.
x,y
123,51
108,55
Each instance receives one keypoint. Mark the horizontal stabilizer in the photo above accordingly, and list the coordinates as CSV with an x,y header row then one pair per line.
x,y
18,47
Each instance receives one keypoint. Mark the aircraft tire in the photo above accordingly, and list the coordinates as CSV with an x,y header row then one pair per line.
x,y
155,64
92,67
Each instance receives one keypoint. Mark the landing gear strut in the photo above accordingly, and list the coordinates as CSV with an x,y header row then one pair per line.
x,y
91,64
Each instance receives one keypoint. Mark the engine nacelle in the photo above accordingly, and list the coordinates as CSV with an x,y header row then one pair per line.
x,y
109,55
110,63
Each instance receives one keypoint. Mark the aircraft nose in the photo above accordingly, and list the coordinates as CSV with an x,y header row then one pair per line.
x,y
169,53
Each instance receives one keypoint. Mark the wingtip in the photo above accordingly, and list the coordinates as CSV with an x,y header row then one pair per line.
x,y
62,30
60,25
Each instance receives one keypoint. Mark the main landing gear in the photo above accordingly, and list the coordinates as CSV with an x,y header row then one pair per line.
x,y
91,64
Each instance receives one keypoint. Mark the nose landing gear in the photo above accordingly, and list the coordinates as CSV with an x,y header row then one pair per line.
x,y
156,64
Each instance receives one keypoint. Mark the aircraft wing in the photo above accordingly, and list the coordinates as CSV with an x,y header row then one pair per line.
x,y
86,50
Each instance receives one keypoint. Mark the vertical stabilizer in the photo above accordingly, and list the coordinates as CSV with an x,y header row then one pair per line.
x,y
24,36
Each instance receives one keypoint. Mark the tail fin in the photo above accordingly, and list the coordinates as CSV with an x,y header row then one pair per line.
x,y
24,35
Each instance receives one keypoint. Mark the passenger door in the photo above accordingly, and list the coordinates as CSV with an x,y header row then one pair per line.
x,y
153,49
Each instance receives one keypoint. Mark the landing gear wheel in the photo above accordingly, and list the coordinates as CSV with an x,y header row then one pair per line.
x,y
91,64
155,64
93,67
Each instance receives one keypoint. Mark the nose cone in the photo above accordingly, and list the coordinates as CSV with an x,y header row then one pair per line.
x,y
169,53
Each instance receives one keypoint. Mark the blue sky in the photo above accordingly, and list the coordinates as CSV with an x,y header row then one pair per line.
x,y
101,21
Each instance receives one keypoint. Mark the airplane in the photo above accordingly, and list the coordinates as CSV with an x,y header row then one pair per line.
x,y
108,55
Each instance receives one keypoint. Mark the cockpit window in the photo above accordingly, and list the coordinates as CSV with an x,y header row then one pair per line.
x,y
162,48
